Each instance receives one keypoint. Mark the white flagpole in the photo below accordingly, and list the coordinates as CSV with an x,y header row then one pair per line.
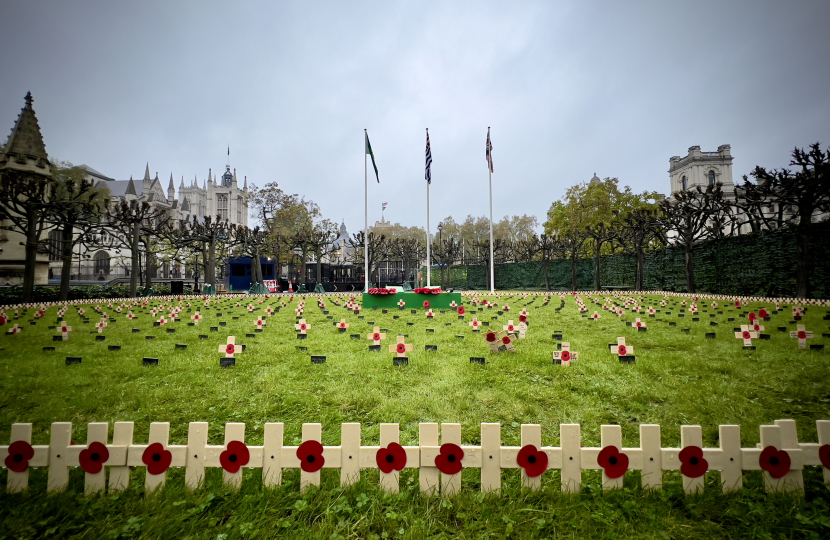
x,y
429,261
366,203
490,173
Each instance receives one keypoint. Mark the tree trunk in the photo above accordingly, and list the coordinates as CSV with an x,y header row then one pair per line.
x,y
66,264
210,266
31,256
545,269
641,263
597,279
573,271
802,255
319,277
690,269
135,263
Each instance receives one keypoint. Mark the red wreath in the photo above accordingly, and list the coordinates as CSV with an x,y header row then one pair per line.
x,y
235,456
157,458
310,454
229,349
461,310
20,452
533,461
449,458
391,458
614,462
775,462
622,350
692,463
565,356
92,459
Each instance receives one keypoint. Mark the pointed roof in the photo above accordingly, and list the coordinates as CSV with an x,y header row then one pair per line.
x,y
170,186
147,172
25,149
185,205
246,184
181,186
131,188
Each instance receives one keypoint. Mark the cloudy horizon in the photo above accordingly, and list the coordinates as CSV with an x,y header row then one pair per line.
x,y
569,88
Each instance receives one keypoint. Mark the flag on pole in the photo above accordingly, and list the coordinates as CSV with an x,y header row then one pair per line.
x,y
489,151
384,205
428,171
369,151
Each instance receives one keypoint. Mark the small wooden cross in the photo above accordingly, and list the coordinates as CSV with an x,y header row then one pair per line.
x,y
507,342
565,355
802,335
475,323
747,335
259,322
638,323
196,318
430,314
595,316
64,331
376,336
400,348
162,321
299,312
758,327
521,329
100,325
621,349
302,326
509,327
342,325
401,303
230,348
15,329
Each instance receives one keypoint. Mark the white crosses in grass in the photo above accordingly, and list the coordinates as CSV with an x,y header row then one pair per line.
x,y
475,324
302,326
196,318
596,316
747,335
64,331
401,303
376,336
259,323
509,327
801,333
101,325
15,329
638,323
230,348
521,329
343,325
430,314
400,348
565,355
621,349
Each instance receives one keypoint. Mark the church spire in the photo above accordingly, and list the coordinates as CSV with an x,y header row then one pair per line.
x,y
25,149
147,173
171,190
245,188
181,186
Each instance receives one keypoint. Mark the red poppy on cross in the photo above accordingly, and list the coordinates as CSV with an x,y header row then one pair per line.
x,y
230,347
376,336
101,325
621,349
747,335
475,324
565,355
400,348
801,333
64,331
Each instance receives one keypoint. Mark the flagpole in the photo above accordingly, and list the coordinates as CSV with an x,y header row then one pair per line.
x,y
490,174
366,207
429,261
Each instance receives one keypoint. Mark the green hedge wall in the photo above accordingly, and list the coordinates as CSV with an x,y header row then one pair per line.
x,y
12,295
753,264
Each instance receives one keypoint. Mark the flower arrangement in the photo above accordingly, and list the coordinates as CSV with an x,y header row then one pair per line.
x,y
425,290
382,292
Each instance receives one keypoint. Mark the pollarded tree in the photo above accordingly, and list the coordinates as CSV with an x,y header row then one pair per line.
x,y
568,223
801,194
77,207
687,219
251,243
378,251
636,231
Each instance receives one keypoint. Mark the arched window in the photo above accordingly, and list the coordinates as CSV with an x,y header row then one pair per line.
x,y
239,210
222,206
101,259
711,178
684,184
55,245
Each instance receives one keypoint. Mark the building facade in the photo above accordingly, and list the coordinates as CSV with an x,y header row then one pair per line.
x,y
702,169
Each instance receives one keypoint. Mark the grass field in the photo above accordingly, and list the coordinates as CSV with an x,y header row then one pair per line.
x,y
678,378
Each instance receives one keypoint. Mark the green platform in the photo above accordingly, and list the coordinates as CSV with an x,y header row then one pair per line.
x,y
413,301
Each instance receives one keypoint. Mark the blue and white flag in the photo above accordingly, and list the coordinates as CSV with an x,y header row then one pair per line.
x,y
428,171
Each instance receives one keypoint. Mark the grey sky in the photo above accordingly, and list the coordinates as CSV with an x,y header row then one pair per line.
x,y
569,88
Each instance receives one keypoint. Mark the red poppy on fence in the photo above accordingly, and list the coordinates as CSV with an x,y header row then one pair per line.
x,y
391,458
235,456
775,462
92,459
449,458
157,458
310,454
614,462
692,463
532,460
20,452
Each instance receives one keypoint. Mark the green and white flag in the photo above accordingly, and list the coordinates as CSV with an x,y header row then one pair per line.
x,y
369,151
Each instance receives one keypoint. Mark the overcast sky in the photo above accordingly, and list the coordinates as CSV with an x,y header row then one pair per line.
x,y
569,88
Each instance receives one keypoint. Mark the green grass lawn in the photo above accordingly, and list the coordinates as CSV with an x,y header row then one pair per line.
x,y
678,378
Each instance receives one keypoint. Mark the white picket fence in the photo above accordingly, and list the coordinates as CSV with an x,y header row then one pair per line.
x,y
351,456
